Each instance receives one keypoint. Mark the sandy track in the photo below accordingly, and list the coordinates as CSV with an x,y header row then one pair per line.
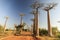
x,y
20,38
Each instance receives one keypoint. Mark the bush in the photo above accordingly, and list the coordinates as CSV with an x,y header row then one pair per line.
x,y
58,36
1,28
7,29
43,32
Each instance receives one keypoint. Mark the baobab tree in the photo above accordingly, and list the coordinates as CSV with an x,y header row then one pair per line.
x,y
15,27
21,26
21,21
36,6
5,22
48,8
33,20
33,26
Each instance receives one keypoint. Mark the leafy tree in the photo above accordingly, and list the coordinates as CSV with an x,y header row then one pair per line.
x,y
19,28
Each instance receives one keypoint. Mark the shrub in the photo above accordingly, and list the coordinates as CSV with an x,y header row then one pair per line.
x,y
1,28
43,32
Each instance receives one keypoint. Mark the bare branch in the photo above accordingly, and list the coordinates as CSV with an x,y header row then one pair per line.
x,y
50,6
22,14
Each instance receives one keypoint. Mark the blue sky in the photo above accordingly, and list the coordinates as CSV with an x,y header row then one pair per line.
x,y
12,9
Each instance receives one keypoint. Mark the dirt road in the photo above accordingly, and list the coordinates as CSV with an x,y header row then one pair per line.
x,y
20,38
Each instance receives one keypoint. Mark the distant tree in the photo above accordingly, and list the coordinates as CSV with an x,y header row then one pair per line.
x,y
43,32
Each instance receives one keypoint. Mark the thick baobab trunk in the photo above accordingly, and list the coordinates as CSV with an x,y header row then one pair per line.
x,y
34,26
21,20
37,32
5,25
49,26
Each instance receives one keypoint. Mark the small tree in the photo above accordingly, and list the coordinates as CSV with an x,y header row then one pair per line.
x,y
19,28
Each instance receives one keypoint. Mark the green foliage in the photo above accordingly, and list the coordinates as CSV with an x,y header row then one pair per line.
x,y
24,24
21,25
7,29
19,28
58,35
43,32
25,30
1,28
54,31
